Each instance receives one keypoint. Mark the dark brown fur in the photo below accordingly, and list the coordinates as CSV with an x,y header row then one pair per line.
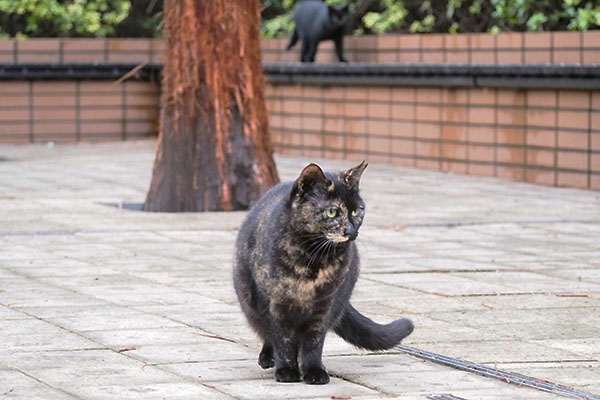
x,y
295,267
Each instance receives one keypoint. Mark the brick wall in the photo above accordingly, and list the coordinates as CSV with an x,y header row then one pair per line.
x,y
549,137
480,48
506,48
69,111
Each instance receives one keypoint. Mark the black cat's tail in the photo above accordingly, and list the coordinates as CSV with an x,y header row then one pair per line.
x,y
362,332
293,40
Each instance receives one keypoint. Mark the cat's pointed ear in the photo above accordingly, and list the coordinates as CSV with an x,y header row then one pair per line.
x,y
311,176
352,176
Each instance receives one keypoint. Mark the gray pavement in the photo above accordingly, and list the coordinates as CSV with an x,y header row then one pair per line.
x,y
101,302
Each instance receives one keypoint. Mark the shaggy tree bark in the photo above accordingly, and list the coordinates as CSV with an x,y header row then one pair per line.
x,y
214,151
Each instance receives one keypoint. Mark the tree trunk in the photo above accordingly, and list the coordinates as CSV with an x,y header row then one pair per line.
x,y
214,151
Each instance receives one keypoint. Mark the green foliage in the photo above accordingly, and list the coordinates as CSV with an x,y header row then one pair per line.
x,y
62,18
453,16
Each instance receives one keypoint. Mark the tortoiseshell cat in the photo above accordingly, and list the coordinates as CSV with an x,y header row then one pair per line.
x,y
295,267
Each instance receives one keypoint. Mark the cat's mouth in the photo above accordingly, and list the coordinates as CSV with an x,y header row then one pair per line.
x,y
336,238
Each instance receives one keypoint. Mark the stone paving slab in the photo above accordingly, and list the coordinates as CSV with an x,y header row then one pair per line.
x,y
101,302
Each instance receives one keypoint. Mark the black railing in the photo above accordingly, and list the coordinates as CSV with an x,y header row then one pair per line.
x,y
528,76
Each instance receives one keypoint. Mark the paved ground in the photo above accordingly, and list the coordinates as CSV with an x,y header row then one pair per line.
x,y
100,302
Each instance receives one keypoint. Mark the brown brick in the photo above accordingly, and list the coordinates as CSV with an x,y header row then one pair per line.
x,y
379,145
457,57
573,140
541,98
355,126
541,118
291,91
595,162
379,94
566,39
106,100
67,100
454,133
7,45
334,125
543,177
591,39
510,155
357,93
126,45
510,136
433,57
356,144
566,56
42,44
454,166
140,100
95,128
480,169
53,128
334,108
481,115
482,96
314,124
13,129
427,113
541,137
510,56
388,42
573,99
427,149
402,129
481,134
455,114
541,158
483,57
409,56
538,57
595,182
402,111
386,57
427,130
571,179
14,115
595,141
452,97
55,114
12,100
409,42
481,153
83,45
378,110
427,95
573,119
510,40
357,110
483,41
402,146
591,56
142,113
291,106
378,127
454,151
512,173
50,87
572,160
511,116
402,94
537,40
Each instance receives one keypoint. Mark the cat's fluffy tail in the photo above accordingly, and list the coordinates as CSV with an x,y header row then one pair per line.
x,y
362,332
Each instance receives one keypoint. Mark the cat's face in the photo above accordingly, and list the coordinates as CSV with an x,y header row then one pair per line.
x,y
328,205
339,16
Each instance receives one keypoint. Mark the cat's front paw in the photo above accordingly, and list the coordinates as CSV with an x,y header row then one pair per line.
x,y
316,376
287,374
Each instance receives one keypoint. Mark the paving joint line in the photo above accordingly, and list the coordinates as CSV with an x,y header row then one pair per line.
x,y
505,376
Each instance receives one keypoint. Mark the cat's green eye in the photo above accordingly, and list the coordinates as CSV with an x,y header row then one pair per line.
x,y
332,212
355,212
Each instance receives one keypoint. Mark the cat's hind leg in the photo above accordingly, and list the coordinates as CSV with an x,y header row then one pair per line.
x,y
265,358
